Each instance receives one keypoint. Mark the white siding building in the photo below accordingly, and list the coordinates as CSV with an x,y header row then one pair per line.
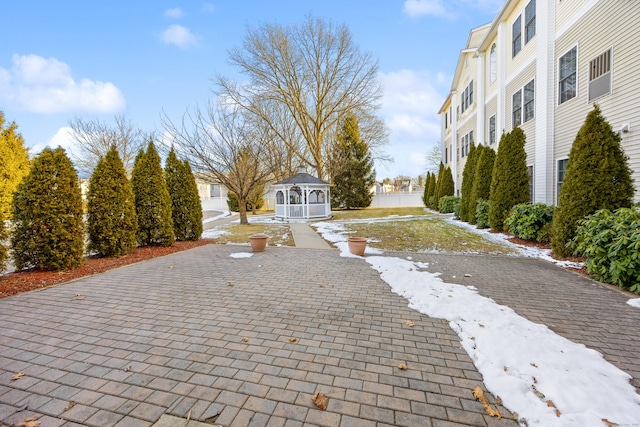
x,y
542,64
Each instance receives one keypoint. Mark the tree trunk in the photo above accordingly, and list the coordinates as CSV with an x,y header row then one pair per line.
x,y
242,208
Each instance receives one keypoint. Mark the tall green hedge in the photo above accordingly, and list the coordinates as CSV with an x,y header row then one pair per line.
x,y
153,203
510,181
48,231
438,187
597,177
111,211
447,187
482,178
186,208
3,248
425,194
468,176
432,191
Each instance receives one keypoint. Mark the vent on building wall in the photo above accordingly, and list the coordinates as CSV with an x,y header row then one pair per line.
x,y
600,76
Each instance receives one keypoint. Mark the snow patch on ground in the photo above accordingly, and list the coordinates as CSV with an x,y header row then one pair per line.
x,y
634,302
582,385
213,233
241,255
222,215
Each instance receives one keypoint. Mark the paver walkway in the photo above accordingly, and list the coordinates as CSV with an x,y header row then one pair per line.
x,y
240,342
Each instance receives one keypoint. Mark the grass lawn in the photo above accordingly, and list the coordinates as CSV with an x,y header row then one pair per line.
x,y
279,235
378,213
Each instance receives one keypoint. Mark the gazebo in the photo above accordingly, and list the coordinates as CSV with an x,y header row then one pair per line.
x,y
302,196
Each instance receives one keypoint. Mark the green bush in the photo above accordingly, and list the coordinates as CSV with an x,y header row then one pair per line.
x,y
482,213
482,179
525,220
611,244
456,210
468,175
48,231
448,204
431,194
3,248
546,233
510,180
597,177
186,208
425,195
232,202
111,210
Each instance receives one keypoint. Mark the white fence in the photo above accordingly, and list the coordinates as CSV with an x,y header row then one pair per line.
x,y
397,200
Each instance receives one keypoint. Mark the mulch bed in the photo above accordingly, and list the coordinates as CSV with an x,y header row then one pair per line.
x,y
28,280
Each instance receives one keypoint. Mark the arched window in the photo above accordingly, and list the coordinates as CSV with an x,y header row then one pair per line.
x,y
280,198
493,65
295,196
316,197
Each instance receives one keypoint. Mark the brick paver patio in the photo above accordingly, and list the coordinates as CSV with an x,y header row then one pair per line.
x,y
247,342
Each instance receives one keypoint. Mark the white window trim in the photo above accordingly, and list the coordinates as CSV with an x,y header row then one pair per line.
x,y
523,117
557,187
513,122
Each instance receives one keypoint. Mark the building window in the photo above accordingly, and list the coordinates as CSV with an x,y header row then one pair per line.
x,y
562,170
214,190
493,64
446,120
517,36
280,198
567,79
600,76
517,109
529,98
529,21
492,129
471,92
462,102
446,158
531,177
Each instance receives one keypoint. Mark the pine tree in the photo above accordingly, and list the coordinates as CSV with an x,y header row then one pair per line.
x,y
352,185
482,179
186,209
425,195
153,203
438,189
597,177
432,191
510,181
48,231
14,164
111,211
468,175
3,248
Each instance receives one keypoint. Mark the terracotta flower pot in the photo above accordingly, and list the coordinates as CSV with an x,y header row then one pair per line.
x,y
357,245
258,242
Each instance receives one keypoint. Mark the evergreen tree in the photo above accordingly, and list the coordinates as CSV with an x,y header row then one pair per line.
x,y
468,175
510,181
3,248
111,211
153,203
48,232
425,195
482,179
432,191
597,177
352,185
186,209
14,164
438,189
448,186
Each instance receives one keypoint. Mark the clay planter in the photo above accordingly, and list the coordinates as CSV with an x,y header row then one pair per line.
x,y
258,242
357,245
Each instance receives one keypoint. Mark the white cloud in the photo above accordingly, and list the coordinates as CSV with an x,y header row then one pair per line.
x,y
174,12
179,36
449,8
62,138
46,85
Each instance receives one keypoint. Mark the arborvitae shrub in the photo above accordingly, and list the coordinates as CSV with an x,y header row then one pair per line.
x,y
438,187
111,212
186,209
153,203
425,195
448,204
611,243
482,180
482,213
510,180
525,220
3,248
432,192
597,177
468,176
447,188
48,232
545,233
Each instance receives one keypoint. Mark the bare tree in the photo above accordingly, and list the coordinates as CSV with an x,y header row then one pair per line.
x,y
223,146
302,80
94,139
433,157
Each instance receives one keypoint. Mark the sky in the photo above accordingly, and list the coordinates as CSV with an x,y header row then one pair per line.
x,y
141,59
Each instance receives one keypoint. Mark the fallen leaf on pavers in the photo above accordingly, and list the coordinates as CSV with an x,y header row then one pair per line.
x,y
498,400
171,266
320,400
78,297
402,366
245,339
537,393
230,284
609,423
505,368
70,405
293,339
29,422
410,323
17,376
534,365
480,397
550,404
535,381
